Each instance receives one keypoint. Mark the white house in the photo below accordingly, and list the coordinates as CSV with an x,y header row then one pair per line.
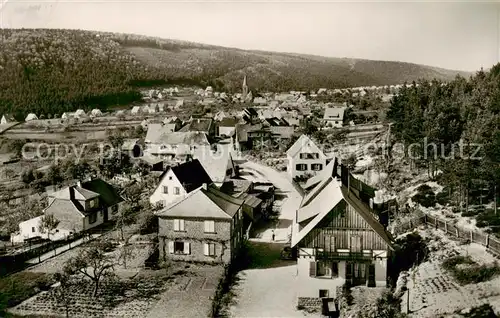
x,y
7,119
31,116
178,181
135,110
334,116
304,158
96,112
80,113
163,143
77,208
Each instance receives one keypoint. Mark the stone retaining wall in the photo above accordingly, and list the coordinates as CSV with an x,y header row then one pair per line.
x,y
310,304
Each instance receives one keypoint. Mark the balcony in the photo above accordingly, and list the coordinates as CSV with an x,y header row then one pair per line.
x,y
343,256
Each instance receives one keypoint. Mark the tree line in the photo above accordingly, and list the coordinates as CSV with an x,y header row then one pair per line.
x,y
454,130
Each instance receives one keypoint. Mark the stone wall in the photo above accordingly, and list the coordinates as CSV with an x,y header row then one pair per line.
x,y
310,304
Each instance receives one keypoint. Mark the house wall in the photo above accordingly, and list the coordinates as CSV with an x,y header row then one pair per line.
x,y
194,233
167,198
310,285
283,131
114,215
99,221
293,161
334,123
227,131
30,228
70,221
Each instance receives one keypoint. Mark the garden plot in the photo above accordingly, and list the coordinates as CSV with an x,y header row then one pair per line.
x,y
433,291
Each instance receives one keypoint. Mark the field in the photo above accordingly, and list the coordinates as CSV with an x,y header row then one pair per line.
x,y
133,291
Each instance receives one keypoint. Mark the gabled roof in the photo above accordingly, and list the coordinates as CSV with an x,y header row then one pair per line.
x,y
108,195
228,122
204,203
328,194
250,200
214,163
161,135
79,194
190,174
274,121
299,144
9,117
334,113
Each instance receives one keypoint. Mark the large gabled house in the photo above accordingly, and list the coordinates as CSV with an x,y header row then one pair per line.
x,y
78,208
178,181
204,226
161,142
338,237
304,158
203,124
334,117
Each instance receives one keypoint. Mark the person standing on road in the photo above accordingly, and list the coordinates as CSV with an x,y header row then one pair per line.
x,y
273,236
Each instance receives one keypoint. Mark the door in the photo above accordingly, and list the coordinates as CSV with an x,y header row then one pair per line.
x,y
371,275
105,215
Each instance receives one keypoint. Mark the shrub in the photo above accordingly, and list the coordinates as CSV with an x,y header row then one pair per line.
x,y
466,271
425,196
483,311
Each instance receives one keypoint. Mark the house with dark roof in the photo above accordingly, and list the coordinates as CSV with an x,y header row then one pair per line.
x,y
250,115
164,144
279,127
178,181
339,238
201,124
78,208
206,225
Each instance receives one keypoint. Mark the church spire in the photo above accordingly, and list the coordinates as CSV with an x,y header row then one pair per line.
x,y
245,87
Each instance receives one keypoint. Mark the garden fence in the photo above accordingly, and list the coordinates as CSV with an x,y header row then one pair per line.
x,y
489,241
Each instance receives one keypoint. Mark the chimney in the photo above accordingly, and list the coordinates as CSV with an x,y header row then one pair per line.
x,y
79,184
72,193
204,186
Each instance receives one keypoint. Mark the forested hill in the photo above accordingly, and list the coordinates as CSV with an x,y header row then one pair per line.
x,y
51,71
462,118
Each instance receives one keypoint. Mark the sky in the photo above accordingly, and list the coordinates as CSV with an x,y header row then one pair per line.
x,y
454,35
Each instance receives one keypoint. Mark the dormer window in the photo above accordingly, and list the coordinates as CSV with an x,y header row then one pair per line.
x,y
93,203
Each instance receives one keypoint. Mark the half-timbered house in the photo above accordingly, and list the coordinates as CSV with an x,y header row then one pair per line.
x,y
338,237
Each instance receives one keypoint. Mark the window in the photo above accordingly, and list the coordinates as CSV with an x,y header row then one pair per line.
x,y
209,249
316,167
170,178
178,247
114,209
92,203
209,226
165,189
323,293
177,191
33,229
92,218
356,246
301,167
313,155
179,225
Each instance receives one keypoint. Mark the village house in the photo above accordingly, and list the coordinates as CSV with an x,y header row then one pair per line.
x,y
31,117
334,117
260,101
7,119
205,125
250,136
136,110
132,148
279,128
219,164
178,181
161,142
204,226
220,115
78,208
250,115
339,239
227,126
95,112
304,158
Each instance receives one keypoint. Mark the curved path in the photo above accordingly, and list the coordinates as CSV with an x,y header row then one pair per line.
x,y
271,291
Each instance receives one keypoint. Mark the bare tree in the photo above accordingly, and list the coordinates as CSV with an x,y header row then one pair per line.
x,y
48,223
62,293
94,263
